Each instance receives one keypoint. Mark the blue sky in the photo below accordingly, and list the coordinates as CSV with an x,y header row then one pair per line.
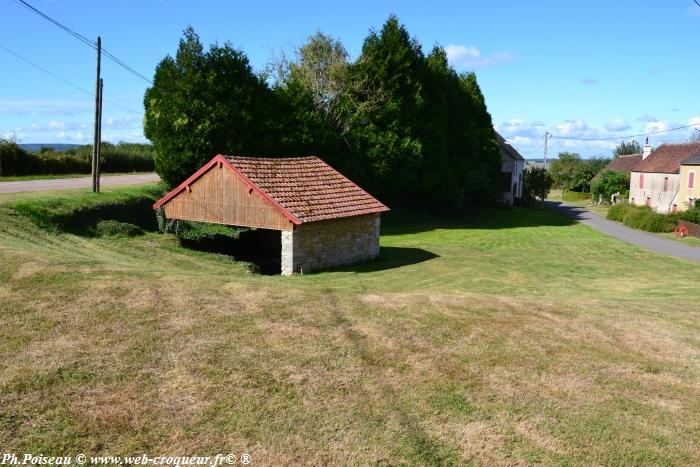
x,y
578,69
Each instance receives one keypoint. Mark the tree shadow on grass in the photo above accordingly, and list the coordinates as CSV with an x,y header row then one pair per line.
x,y
390,257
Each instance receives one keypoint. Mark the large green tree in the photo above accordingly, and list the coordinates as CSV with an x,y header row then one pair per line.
x,y
405,125
387,138
431,137
203,103
609,182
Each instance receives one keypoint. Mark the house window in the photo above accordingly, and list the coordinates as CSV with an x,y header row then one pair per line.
x,y
665,183
674,208
691,179
641,181
648,201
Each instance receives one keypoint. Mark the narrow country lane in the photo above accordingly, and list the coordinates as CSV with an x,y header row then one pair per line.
x,y
626,234
72,183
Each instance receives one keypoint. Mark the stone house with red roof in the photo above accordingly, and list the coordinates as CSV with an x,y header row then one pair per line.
x,y
655,180
319,217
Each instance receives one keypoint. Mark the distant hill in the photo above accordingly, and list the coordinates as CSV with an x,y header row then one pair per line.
x,y
60,147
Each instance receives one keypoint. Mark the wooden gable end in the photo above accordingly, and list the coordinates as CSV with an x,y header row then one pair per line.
x,y
221,196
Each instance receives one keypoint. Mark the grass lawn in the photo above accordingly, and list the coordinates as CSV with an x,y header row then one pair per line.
x,y
557,195
516,338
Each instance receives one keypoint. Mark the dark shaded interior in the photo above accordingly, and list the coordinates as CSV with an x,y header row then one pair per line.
x,y
261,247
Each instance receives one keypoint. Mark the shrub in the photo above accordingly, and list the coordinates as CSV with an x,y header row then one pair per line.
x,y
112,228
643,218
618,211
200,231
691,215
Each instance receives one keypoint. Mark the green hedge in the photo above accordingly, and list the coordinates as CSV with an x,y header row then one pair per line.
x,y
122,157
618,211
644,218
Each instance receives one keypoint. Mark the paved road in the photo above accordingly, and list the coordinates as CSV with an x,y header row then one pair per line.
x,y
82,182
626,234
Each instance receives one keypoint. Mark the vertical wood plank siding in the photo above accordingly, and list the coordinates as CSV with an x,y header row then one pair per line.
x,y
219,196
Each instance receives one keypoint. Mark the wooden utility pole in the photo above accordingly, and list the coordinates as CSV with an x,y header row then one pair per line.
x,y
546,137
98,160
96,141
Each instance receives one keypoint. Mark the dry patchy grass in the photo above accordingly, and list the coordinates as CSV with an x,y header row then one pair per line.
x,y
524,340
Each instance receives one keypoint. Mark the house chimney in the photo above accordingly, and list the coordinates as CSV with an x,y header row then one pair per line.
x,y
647,149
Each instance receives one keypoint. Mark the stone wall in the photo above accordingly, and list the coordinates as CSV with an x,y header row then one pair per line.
x,y
319,245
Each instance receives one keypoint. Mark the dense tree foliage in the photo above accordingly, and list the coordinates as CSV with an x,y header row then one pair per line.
x,y
402,124
609,182
572,173
626,148
536,184
204,103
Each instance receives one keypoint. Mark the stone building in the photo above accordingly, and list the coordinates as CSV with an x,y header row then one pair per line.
x,y
321,218
655,181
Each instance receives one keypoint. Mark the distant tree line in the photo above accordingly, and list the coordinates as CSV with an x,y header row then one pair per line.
x,y
403,124
572,173
121,157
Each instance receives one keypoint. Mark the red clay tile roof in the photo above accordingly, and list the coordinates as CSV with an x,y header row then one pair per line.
x,y
624,163
307,187
667,158
507,149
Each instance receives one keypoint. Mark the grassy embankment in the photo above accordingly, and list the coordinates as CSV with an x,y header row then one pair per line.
x,y
516,337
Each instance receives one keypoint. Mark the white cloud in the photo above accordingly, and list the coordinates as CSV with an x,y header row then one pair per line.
x,y
45,107
618,125
470,57
72,131
694,121
659,125
573,128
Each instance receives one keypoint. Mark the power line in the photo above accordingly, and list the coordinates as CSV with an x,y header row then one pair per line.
x,y
78,36
534,150
697,3
55,76
46,71
627,136
85,41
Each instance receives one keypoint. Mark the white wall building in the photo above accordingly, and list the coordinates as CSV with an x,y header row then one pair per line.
x,y
512,167
655,180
